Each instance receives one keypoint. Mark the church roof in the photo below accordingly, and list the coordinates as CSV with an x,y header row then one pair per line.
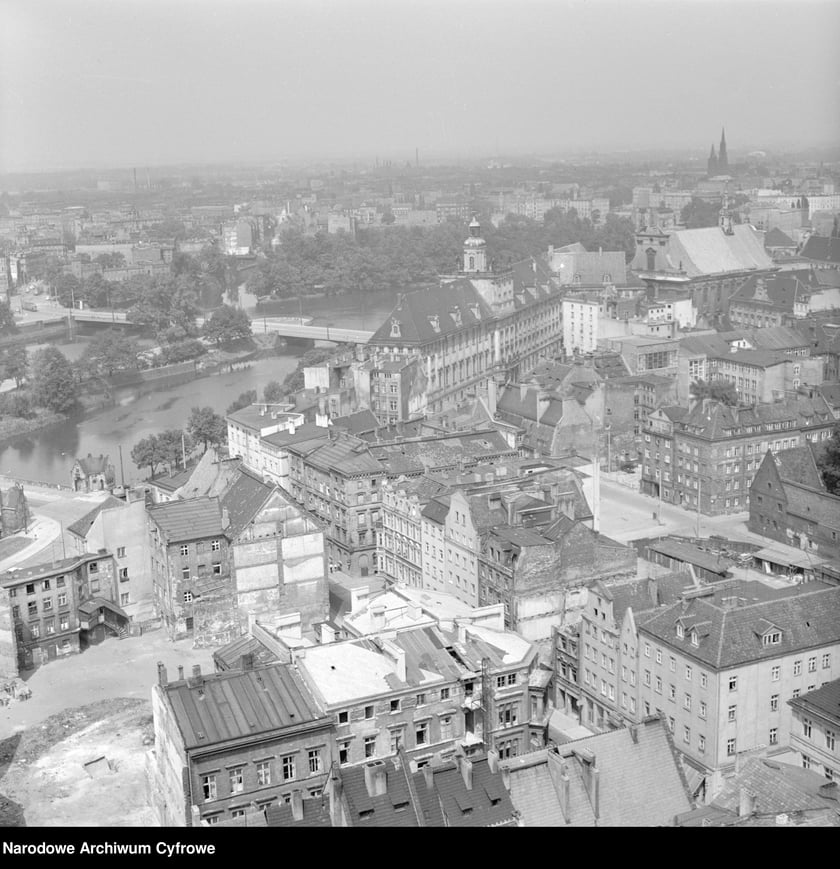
x,y
710,250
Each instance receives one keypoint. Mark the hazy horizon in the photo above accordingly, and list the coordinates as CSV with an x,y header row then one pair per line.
x,y
86,83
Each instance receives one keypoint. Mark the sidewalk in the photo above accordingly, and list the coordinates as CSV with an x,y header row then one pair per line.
x,y
43,532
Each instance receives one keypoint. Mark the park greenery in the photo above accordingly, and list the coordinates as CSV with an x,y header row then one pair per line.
x,y
173,447
397,257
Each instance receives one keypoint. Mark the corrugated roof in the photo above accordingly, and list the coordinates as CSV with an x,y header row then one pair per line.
x,y
216,708
188,520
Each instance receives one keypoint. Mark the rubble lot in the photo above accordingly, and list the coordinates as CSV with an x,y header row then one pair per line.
x,y
43,779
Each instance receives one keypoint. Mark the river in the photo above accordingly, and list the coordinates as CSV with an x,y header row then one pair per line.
x,y
48,455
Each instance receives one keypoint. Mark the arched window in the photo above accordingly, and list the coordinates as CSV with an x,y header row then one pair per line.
x,y
472,262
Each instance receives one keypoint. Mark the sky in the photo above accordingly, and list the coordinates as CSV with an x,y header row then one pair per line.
x,y
90,83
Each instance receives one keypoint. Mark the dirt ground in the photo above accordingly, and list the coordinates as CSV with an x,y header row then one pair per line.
x,y
46,783
84,707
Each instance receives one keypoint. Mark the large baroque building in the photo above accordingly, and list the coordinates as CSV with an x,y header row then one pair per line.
x,y
477,326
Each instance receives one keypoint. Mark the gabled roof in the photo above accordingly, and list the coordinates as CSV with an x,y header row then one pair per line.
x,y
808,616
217,708
797,465
822,249
243,500
82,526
188,520
710,250
94,464
776,238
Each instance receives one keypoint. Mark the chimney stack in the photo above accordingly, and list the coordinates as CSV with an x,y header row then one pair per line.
x,y
297,805
429,776
466,769
493,760
376,779
746,803
377,618
162,680
334,789
196,680
180,673
246,662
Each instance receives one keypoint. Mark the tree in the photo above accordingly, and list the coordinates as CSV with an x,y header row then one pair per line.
x,y
174,444
698,214
246,399
53,382
147,453
207,426
108,352
719,389
828,461
110,260
67,289
7,319
227,324
13,365
273,392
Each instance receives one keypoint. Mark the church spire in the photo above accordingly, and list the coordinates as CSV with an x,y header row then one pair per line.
x,y
723,160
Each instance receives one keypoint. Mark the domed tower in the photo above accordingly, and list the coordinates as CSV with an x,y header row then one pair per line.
x,y
475,249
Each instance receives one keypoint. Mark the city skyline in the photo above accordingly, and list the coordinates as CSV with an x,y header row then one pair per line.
x,y
92,84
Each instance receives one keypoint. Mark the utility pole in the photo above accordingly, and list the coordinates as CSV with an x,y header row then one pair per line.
x,y
122,470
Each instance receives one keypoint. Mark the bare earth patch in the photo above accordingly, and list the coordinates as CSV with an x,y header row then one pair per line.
x,y
43,780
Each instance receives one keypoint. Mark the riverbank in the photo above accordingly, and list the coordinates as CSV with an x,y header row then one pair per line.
x,y
215,362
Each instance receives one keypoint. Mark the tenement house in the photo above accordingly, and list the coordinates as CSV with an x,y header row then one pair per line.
x,y
705,459
479,326
227,741
63,607
816,728
722,663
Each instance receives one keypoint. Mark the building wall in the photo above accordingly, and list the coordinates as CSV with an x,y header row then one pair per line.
x,y
8,644
167,767
814,736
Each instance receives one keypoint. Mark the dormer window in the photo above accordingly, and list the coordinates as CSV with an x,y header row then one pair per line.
x,y
476,311
695,640
434,320
455,313
772,638
395,329
680,630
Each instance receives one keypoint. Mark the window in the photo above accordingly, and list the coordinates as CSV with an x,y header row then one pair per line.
x,y
733,683
421,699
826,660
217,570
775,673
396,740
774,736
830,739
673,665
46,585
658,688
215,546
647,677
730,747
508,714
806,728
289,770
444,693
772,639
208,787
237,780
124,598
421,733
704,680
185,573
264,773
687,735
49,626
237,813
188,597
93,567
121,552
701,743
774,703
370,746
812,665
185,549
59,582
731,715
123,574
680,630
32,608
343,752
647,650
659,656
703,708
672,692
368,712
688,672
343,717
806,762
315,764
48,604
797,668
35,630
64,623
797,692
687,702
395,706
30,588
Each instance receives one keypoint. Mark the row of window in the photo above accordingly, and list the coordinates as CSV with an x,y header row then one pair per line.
x,y
829,735
46,585
261,774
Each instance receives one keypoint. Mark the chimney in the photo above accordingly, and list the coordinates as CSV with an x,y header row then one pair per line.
x,y
466,768
493,760
746,803
523,391
543,403
506,777
413,611
180,673
225,519
376,779
397,656
297,805
327,633
377,618
196,680
162,680
357,598
491,396
334,790
429,776
590,777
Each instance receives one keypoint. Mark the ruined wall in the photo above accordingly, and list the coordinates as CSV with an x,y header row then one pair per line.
x,y
8,644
